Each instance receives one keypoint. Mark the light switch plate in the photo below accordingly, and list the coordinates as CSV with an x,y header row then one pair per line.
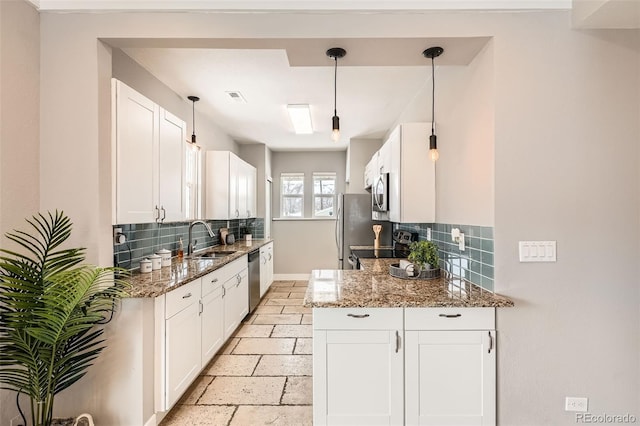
x,y
537,251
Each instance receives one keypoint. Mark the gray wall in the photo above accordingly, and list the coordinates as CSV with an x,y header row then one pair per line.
x,y
19,132
360,152
303,245
566,168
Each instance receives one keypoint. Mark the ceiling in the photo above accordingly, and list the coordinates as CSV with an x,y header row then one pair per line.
x,y
373,89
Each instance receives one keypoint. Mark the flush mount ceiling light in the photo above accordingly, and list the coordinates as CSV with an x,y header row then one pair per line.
x,y
433,52
300,116
335,53
193,99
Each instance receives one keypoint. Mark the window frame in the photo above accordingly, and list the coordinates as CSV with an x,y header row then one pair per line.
x,y
283,196
314,195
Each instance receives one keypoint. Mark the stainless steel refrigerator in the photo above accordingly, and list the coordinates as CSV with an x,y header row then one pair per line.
x,y
354,226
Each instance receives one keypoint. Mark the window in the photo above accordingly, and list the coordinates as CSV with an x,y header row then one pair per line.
x,y
324,192
292,194
192,181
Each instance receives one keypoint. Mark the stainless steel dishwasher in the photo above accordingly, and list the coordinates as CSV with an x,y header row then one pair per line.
x,y
254,279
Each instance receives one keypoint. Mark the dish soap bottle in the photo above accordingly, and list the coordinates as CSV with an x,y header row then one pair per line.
x,y
180,250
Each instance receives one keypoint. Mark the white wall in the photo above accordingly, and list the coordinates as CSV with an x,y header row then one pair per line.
x,y
19,132
464,117
303,245
566,168
256,155
360,153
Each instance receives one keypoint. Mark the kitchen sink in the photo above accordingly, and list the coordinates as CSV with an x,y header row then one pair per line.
x,y
214,254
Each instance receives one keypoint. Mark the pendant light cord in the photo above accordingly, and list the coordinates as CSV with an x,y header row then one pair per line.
x,y
433,95
335,87
193,117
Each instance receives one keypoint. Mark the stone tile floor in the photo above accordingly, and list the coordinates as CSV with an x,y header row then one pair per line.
x,y
262,376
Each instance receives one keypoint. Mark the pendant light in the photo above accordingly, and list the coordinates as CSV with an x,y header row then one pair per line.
x,y
433,52
335,53
193,99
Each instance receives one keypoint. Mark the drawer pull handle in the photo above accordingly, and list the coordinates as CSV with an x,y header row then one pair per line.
x,y
450,315
397,341
358,316
186,296
490,343
215,280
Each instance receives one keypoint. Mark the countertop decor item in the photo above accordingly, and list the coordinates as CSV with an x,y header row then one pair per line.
x,y
376,231
424,254
223,235
165,257
51,333
146,266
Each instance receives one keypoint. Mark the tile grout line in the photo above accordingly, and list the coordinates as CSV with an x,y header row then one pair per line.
x,y
256,367
235,410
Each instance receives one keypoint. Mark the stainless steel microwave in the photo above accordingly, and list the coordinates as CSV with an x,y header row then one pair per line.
x,y
380,193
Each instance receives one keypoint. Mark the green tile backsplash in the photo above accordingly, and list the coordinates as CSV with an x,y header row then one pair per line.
x,y
474,264
144,239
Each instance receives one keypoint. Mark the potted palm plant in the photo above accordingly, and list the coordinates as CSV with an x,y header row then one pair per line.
x,y
51,306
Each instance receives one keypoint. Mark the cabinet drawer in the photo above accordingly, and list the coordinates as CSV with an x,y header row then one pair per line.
x,y
211,281
233,268
450,319
357,318
180,298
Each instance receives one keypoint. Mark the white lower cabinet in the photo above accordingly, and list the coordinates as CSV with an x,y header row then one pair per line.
x,y
236,301
192,324
395,366
182,334
266,268
357,367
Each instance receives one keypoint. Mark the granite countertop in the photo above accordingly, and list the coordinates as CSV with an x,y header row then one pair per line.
x,y
373,287
186,270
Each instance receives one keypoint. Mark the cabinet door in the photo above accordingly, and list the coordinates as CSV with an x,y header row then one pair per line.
x,y
450,377
171,161
136,156
212,323
358,378
252,203
384,158
229,293
269,264
394,190
243,294
183,352
234,171
264,273
243,182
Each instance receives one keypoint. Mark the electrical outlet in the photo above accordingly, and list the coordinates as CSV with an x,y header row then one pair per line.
x,y
428,234
16,421
118,236
573,403
461,244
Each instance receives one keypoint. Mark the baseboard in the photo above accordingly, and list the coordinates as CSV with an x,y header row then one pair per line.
x,y
152,421
291,277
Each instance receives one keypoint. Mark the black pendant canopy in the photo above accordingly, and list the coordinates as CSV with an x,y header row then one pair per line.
x,y
431,53
335,53
193,99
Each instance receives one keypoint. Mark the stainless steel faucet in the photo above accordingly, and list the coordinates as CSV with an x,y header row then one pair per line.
x,y
191,245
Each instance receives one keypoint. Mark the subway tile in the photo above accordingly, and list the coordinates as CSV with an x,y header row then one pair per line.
x,y
487,245
487,271
487,283
487,232
487,258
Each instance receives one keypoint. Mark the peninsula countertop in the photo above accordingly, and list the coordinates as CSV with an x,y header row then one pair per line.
x,y
374,287
182,271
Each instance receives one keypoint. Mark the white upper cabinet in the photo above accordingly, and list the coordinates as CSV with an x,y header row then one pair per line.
x,y
412,179
230,187
148,155
171,174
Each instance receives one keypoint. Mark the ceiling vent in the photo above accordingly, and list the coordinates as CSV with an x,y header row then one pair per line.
x,y
236,97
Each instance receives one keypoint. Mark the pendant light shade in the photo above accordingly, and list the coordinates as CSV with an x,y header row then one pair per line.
x,y
193,99
335,53
431,53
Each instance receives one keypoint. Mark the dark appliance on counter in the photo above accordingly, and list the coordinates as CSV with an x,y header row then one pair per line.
x,y
354,225
400,250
